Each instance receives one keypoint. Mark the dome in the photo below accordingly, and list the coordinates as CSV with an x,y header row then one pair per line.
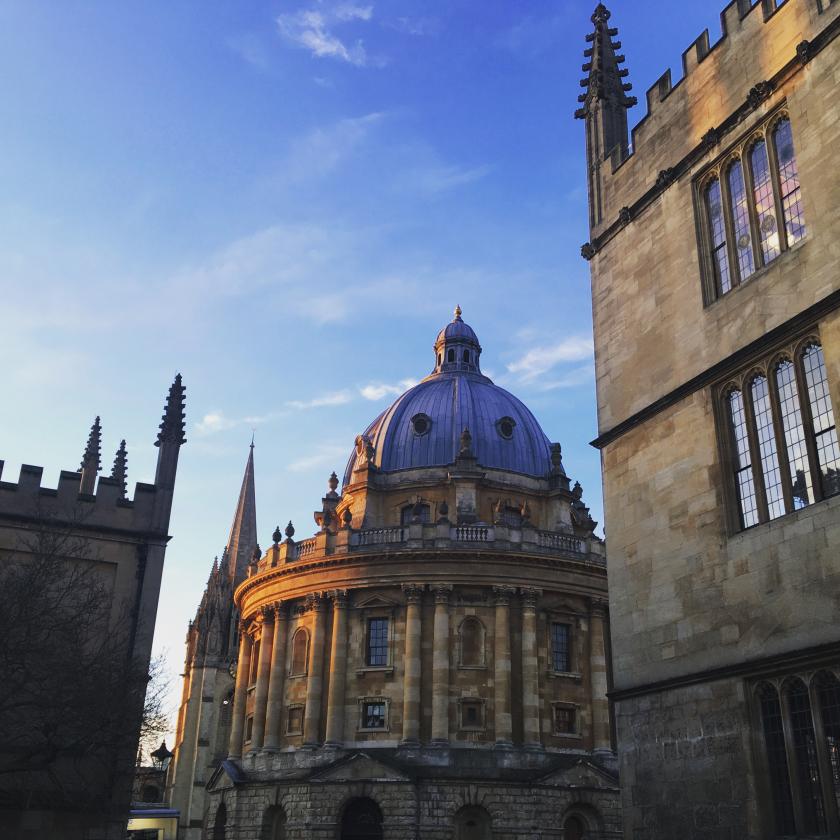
x,y
423,427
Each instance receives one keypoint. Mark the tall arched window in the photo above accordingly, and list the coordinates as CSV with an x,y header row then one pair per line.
x,y
743,460
300,650
741,220
828,695
361,820
805,753
473,823
766,436
822,415
717,230
791,194
471,634
764,203
795,445
774,749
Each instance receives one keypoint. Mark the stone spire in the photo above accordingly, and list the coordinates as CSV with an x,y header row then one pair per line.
x,y
119,472
243,532
90,460
171,435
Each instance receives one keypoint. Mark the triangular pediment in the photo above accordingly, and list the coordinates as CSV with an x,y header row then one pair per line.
x,y
359,767
226,775
583,774
376,602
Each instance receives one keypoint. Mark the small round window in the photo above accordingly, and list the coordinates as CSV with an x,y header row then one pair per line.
x,y
505,427
421,423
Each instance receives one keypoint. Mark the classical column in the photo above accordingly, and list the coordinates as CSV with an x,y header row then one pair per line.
x,y
243,669
411,686
530,677
315,680
440,666
598,677
274,705
338,670
263,675
501,658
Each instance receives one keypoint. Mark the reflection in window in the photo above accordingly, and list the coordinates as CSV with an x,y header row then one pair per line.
x,y
805,750
377,642
797,451
741,220
789,181
373,715
774,745
720,256
743,461
825,433
767,446
765,208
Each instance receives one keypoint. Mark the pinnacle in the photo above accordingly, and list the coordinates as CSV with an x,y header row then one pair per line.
x,y
172,425
90,460
119,472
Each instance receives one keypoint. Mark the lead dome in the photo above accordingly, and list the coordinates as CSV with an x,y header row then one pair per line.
x,y
424,426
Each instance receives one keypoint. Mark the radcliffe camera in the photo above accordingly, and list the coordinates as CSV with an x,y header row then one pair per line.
x,y
419,420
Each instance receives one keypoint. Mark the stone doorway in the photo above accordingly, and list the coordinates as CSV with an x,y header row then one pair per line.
x,y
361,820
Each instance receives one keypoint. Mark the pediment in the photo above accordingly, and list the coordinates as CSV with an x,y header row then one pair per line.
x,y
583,774
359,767
376,602
226,775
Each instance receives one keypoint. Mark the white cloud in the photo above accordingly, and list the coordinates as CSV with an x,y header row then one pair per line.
x,y
214,421
583,375
313,29
436,179
324,455
538,361
377,390
326,400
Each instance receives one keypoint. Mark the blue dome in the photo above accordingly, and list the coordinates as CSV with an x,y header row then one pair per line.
x,y
423,427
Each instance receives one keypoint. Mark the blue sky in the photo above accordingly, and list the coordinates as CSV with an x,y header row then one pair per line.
x,y
284,201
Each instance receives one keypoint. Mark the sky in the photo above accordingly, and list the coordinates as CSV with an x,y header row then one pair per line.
x,y
284,201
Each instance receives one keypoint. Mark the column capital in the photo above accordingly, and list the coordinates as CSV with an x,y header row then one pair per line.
x,y
442,591
280,610
315,601
339,597
267,613
599,607
503,594
530,595
413,592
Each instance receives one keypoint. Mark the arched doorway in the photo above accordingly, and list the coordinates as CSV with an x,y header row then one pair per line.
x,y
361,820
219,823
274,824
574,829
473,823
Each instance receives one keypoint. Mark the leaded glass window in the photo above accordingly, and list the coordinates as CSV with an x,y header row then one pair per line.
x,y
373,715
795,445
743,461
377,642
741,221
560,647
828,694
805,751
765,206
791,194
822,415
776,754
717,227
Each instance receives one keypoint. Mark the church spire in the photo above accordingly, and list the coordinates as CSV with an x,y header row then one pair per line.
x,y
90,460
243,532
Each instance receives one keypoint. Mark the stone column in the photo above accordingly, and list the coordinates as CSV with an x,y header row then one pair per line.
x,y
598,678
411,687
274,705
263,675
243,670
315,680
530,676
338,670
501,658
440,666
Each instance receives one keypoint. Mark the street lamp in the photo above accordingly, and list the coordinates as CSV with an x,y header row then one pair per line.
x,y
161,757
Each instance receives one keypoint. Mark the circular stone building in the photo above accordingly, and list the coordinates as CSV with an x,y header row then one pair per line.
x,y
431,664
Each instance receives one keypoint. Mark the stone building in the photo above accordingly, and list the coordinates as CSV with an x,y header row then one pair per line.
x,y
715,286
432,663
65,771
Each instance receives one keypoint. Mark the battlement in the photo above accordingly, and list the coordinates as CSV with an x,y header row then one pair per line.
x,y
27,499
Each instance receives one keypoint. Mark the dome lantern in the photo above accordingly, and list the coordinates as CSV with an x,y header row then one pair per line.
x,y
457,347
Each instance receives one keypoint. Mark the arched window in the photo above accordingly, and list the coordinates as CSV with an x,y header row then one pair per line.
x,y
764,203
466,356
822,414
361,820
274,824
741,220
805,753
471,633
220,822
766,436
828,695
255,661
450,356
796,447
473,823
743,460
300,651
777,766
791,194
717,231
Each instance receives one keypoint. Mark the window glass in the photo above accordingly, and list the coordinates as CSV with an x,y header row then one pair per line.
x,y
422,512
717,228
797,453
741,220
822,414
767,447
774,744
564,719
743,461
560,646
299,645
765,207
789,181
373,715
828,692
471,713
805,749
377,651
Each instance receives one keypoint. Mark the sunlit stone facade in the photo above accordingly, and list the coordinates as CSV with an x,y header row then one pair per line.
x,y
432,663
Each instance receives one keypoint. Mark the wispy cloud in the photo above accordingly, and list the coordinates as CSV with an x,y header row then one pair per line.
x,y
314,30
436,179
538,361
325,400
377,390
324,455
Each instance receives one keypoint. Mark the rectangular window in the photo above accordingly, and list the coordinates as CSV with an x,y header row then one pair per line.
x,y
249,727
377,642
294,721
373,714
472,714
560,634
782,441
564,720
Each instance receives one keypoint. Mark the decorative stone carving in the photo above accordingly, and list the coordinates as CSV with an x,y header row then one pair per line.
x,y
587,251
413,592
442,592
804,51
529,597
503,594
758,93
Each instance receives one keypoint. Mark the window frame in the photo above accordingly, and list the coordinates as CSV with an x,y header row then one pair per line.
x,y
378,701
767,368
481,726
569,623
719,170
292,673
481,665
574,708
294,707
369,619
365,615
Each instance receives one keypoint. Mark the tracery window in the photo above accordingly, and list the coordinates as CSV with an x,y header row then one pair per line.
x,y
752,206
781,437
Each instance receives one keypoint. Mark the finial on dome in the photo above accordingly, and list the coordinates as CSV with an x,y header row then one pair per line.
x,y
457,312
